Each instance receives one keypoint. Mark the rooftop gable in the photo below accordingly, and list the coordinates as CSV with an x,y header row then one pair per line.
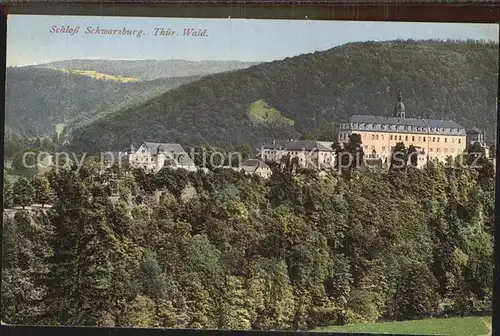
x,y
170,149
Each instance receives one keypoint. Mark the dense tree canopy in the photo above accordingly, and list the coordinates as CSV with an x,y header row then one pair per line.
x,y
296,251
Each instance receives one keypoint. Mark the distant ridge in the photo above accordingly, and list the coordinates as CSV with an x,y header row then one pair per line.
x,y
149,69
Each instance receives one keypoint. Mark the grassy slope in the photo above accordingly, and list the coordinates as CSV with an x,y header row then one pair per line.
x,y
260,111
457,326
98,75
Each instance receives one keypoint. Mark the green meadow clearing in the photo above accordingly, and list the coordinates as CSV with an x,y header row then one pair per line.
x,y
456,326
262,112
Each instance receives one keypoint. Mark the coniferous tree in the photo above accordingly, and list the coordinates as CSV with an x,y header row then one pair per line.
x,y
43,192
412,155
355,148
80,268
493,151
37,143
23,192
349,156
8,195
153,281
399,157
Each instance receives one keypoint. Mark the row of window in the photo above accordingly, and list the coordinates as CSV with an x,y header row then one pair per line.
x,y
326,160
160,150
292,153
144,159
376,156
438,150
420,138
345,136
369,126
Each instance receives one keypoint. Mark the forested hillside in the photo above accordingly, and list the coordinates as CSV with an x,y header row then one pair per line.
x,y
13,142
444,80
150,69
228,250
37,99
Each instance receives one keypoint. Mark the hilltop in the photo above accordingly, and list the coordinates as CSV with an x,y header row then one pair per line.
x,y
149,69
439,79
97,75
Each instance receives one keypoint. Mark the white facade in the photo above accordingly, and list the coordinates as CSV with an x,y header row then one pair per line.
x,y
256,167
152,156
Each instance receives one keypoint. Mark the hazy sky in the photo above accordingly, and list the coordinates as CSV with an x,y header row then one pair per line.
x,y
30,41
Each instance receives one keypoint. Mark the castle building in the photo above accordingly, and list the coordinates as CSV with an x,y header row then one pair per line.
x,y
308,153
434,139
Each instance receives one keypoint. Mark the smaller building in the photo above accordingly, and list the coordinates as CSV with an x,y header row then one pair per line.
x,y
153,156
256,167
475,135
310,154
